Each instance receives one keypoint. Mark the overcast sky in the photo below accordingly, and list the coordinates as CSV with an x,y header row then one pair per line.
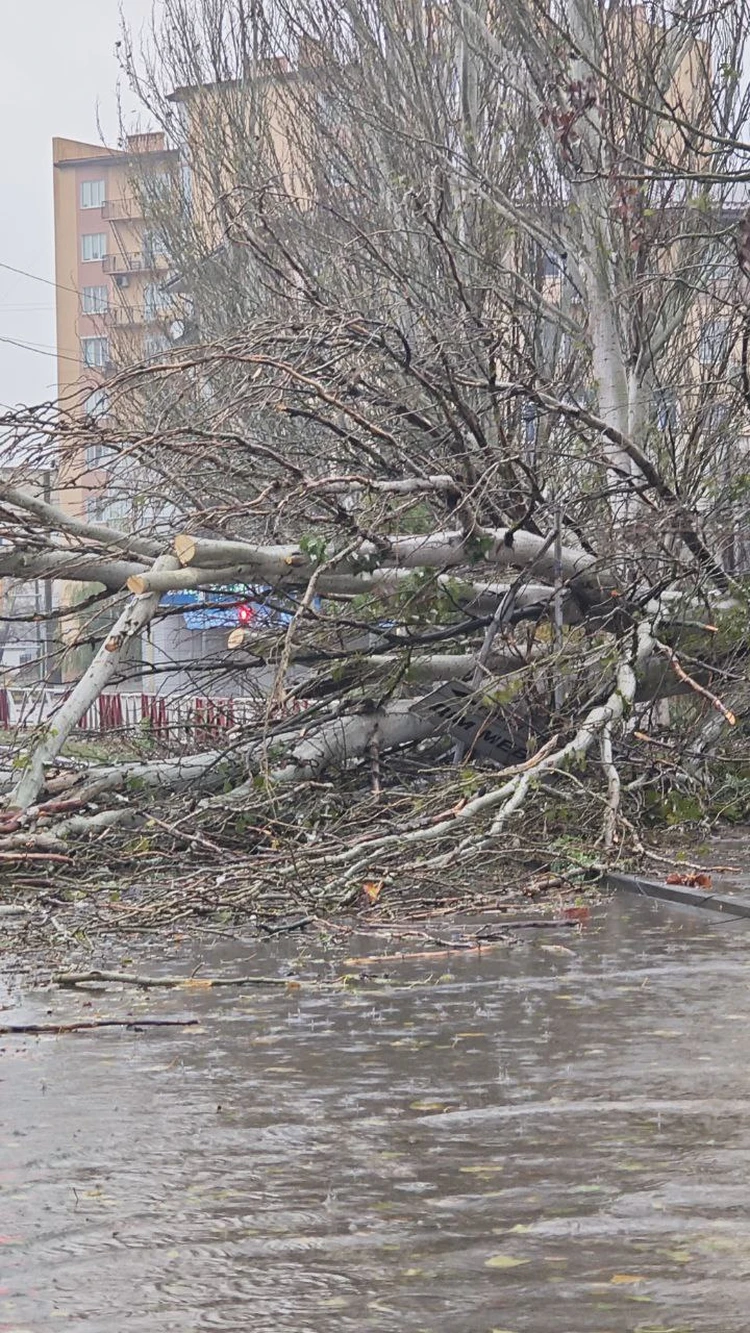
x,y
57,73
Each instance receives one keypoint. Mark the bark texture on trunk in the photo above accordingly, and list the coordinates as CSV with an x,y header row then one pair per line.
x,y
104,667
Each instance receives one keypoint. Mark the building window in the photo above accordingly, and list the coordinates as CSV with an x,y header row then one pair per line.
x,y
98,455
97,404
154,346
666,409
330,114
714,341
113,511
716,425
92,194
95,300
159,183
154,301
153,248
721,265
186,182
553,265
93,246
94,351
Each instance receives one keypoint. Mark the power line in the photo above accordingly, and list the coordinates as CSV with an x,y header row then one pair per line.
x,y
41,348
36,277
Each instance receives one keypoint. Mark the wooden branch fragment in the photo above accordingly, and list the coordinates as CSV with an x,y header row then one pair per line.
x,y
59,806
57,519
428,954
490,938
73,565
184,548
194,576
88,1024
22,855
234,553
195,838
614,786
286,926
438,550
682,675
137,979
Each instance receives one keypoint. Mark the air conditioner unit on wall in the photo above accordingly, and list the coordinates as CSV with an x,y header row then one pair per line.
x,y
122,279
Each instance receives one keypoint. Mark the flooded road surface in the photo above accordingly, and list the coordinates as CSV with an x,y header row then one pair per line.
x,y
553,1138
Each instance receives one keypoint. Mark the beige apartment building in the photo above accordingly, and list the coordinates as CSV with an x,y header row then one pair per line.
x,y
108,270
113,311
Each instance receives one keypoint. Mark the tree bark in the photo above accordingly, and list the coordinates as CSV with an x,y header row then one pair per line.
x,y
78,566
498,546
134,618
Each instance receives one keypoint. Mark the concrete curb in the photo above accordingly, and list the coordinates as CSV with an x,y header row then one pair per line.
x,y
675,893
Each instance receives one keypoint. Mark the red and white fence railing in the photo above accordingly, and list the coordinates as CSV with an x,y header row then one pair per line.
x,y
198,716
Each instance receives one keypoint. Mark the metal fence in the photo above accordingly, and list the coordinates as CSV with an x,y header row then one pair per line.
x,y
175,717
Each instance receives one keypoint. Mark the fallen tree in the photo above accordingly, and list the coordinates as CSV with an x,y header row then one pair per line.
x,y
446,410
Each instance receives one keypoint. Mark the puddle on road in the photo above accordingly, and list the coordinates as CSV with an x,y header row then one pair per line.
x,y
545,1142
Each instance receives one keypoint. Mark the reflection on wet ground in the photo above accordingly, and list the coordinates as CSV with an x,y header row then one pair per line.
x,y
552,1138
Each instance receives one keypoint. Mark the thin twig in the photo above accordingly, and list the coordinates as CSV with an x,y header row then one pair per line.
x,y
682,675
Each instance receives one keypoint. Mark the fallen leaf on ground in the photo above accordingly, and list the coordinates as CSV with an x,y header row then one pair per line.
x,y
372,889
691,879
623,1279
504,1261
575,913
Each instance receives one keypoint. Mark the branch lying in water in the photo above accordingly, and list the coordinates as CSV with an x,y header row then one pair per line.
x,y
22,1029
199,983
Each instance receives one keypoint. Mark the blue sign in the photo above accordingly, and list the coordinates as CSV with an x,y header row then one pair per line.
x,y
228,607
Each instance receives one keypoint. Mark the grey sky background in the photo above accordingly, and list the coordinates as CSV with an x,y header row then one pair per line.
x,y
57,73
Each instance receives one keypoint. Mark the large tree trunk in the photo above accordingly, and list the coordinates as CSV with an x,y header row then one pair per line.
x,y
103,669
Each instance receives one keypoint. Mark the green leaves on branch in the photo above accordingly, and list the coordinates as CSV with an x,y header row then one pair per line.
x,y
314,548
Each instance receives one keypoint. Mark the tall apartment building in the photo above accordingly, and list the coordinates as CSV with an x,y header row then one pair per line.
x,y
108,269
110,308
113,311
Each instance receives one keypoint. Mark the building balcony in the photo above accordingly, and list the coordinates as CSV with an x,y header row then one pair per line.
x,y
134,261
124,263
121,210
125,316
132,316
